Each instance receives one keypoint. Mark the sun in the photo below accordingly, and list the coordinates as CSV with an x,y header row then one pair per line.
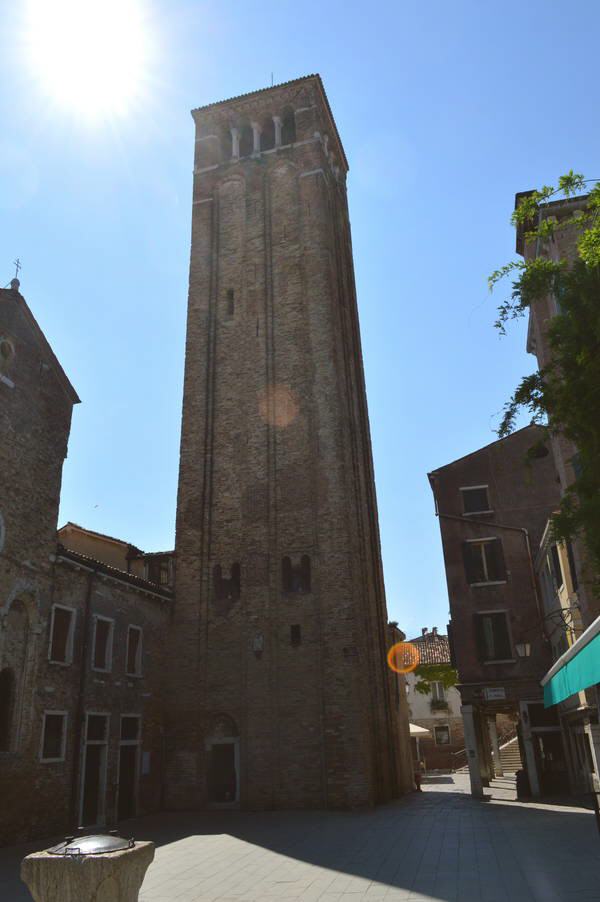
x,y
89,57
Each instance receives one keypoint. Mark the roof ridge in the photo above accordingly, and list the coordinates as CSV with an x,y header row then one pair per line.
x,y
281,84
109,570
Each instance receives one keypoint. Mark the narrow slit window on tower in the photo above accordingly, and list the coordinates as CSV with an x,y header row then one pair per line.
x,y
295,634
230,302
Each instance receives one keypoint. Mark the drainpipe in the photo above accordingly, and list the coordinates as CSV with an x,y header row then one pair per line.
x,y
79,711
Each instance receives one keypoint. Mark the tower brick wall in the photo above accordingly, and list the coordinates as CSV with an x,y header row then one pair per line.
x,y
276,470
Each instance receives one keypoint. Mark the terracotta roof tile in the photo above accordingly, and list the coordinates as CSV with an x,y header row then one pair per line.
x,y
85,560
433,648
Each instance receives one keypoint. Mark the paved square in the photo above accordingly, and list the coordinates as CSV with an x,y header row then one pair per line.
x,y
439,845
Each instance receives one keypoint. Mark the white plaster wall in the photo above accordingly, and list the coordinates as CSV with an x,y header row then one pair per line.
x,y
419,704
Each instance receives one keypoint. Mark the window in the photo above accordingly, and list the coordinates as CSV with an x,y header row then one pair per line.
x,y
493,639
7,352
267,134
54,735
441,735
475,499
97,727
103,639
61,635
295,578
438,693
130,728
134,651
227,589
295,634
572,567
246,141
230,301
288,127
484,561
556,568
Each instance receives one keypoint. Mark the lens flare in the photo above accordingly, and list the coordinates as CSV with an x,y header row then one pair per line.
x,y
403,657
277,405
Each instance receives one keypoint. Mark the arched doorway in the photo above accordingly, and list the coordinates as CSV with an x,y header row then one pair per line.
x,y
223,762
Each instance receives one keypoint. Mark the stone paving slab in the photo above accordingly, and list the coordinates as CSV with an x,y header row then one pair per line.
x,y
436,846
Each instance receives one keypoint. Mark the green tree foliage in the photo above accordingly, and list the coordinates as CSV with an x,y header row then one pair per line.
x,y
434,673
564,395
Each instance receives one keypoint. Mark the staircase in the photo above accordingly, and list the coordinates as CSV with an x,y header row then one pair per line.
x,y
510,756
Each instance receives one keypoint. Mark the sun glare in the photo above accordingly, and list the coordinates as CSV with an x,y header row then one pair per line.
x,y
89,56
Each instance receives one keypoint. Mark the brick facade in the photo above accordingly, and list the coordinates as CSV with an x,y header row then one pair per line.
x,y
40,797
275,465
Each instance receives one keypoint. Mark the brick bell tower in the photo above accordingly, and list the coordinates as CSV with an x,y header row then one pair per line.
x,y
279,686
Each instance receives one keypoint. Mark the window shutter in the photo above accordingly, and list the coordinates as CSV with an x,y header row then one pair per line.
x,y
495,560
472,558
501,637
479,637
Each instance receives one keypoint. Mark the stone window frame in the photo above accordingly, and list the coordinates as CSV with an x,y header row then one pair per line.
x,y
65,719
138,739
482,542
70,639
109,644
443,726
139,671
506,612
438,691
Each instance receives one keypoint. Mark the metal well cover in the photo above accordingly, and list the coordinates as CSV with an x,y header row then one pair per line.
x,y
96,844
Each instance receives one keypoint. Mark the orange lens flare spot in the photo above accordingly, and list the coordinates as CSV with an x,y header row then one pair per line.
x,y
403,657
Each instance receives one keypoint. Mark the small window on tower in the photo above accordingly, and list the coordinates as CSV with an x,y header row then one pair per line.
x,y
230,301
295,634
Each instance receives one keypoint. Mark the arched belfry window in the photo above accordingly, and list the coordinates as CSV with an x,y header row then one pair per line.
x,y
267,135
246,141
7,698
288,127
226,144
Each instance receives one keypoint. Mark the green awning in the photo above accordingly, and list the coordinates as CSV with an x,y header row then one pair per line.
x,y
577,669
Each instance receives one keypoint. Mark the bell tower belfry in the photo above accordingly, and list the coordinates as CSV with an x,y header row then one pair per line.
x,y
279,690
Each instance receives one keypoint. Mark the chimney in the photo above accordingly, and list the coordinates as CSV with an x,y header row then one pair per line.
x,y
424,631
434,630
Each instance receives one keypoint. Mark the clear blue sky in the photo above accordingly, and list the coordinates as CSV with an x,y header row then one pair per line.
x,y
445,111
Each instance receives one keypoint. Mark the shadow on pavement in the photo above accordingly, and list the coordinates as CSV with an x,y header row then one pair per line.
x,y
528,853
